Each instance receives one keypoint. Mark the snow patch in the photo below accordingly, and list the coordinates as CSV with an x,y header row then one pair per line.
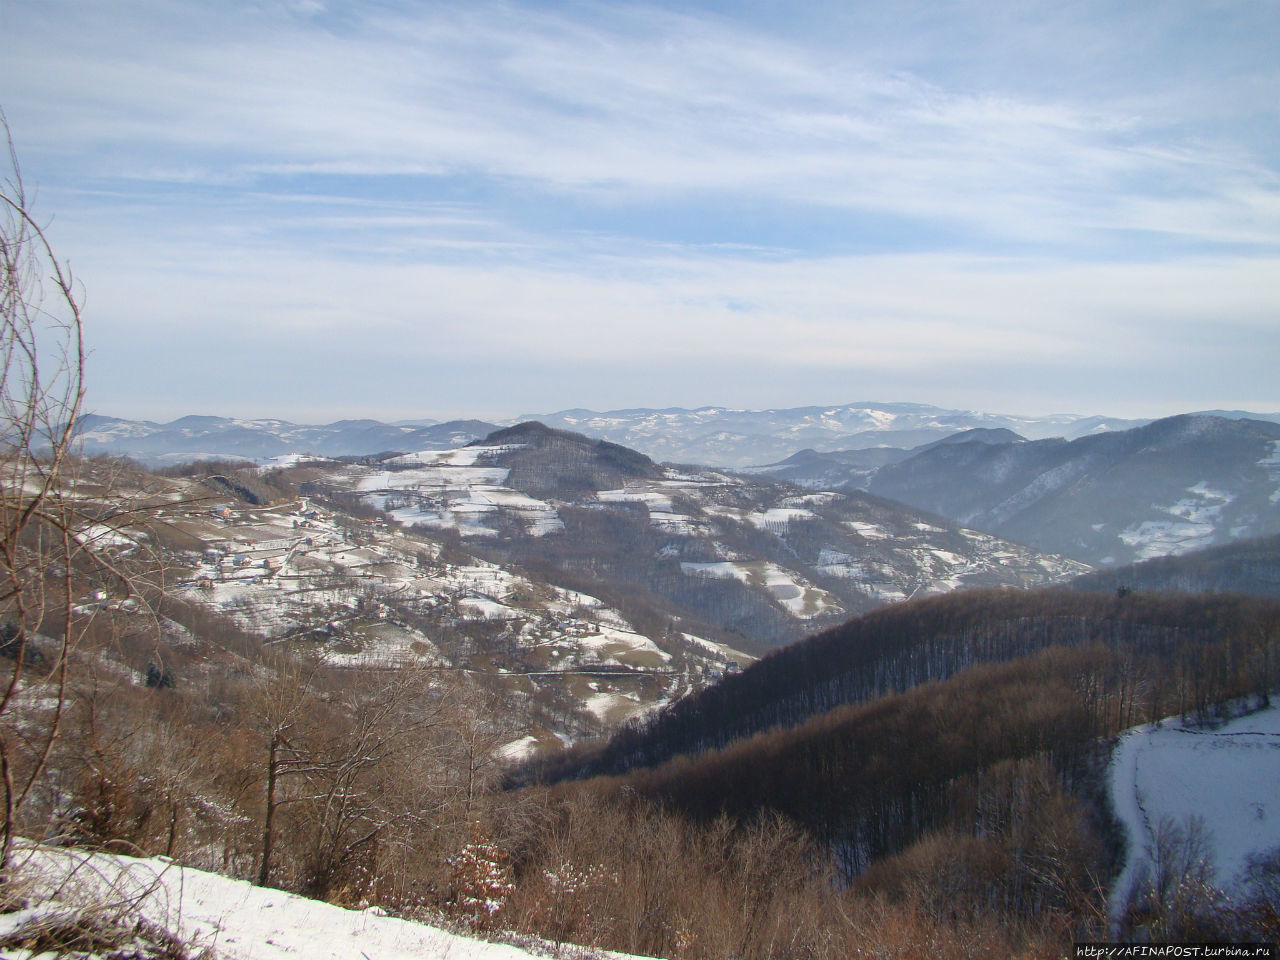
x,y
868,531
1228,776
777,518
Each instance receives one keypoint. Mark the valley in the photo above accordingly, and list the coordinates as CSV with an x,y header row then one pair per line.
x,y
581,582
616,699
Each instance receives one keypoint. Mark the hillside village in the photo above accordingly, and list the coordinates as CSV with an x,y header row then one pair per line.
x,y
366,593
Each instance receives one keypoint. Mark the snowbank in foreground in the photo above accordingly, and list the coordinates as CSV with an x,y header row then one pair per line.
x,y
236,919
1229,776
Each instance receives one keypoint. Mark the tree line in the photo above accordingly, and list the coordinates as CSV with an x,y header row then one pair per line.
x,y
896,648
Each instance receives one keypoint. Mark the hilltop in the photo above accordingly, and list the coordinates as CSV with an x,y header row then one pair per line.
x,y
1165,487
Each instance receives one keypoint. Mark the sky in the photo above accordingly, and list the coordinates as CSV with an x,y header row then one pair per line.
x,y
324,209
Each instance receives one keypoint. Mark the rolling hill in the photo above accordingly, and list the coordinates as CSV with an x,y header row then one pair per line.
x,y
1164,488
762,560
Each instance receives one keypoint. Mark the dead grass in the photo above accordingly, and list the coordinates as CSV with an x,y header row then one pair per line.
x,y
63,905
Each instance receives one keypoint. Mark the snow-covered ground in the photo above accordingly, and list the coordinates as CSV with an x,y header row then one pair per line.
x,y
1195,527
868,531
1229,776
233,919
446,489
652,499
778,517
375,596
800,598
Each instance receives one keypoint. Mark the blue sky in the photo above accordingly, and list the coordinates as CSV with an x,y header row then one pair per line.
x,y
320,209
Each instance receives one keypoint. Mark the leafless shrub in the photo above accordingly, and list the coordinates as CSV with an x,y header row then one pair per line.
x,y
1174,896
74,905
1257,914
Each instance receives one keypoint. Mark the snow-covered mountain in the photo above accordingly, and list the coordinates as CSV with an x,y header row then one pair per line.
x,y
717,436
1165,488
210,438
736,438
599,582
363,594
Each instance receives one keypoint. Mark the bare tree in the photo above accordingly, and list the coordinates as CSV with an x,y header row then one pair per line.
x,y
370,776
354,765
282,704
42,356
1175,897
67,531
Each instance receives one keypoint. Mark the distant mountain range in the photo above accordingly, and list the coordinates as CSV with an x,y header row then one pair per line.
x,y
1166,487
738,438
1170,486
1099,490
863,434
213,438
716,436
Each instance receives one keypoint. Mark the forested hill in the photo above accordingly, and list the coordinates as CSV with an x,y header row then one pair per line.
x,y
899,647
1170,486
1247,566
983,788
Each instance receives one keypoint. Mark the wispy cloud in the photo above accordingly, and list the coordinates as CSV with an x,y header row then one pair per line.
x,y
630,108
619,184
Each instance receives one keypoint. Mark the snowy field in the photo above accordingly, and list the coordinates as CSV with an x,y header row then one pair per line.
x,y
446,489
800,598
652,499
1195,526
233,919
868,531
777,518
1229,776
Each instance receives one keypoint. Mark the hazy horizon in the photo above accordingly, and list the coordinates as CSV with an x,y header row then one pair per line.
x,y
501,419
